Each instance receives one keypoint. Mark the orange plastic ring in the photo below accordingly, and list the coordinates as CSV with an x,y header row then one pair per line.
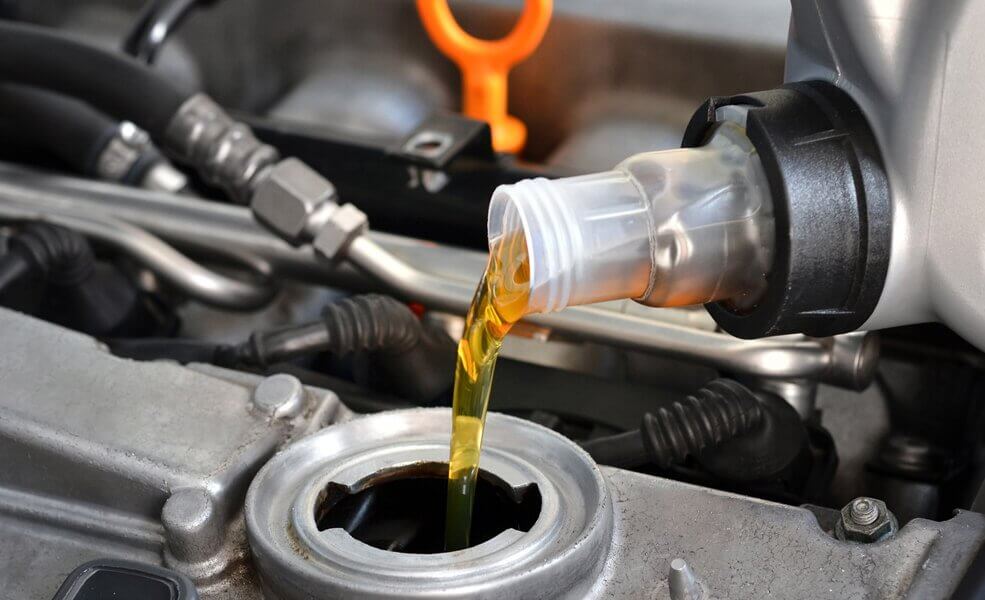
x,y
485,64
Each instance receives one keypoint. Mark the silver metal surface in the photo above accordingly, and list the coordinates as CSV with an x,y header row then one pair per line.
x,y
122,152
224,151
105,457
336,234
448,283
280,396
914,67
742,547
288,196
682,582
164,177
190,277
799,393
559,556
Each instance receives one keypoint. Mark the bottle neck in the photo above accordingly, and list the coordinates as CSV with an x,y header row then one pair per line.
x,y
670,228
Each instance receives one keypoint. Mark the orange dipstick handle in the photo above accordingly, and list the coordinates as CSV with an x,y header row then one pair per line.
x,y
485,64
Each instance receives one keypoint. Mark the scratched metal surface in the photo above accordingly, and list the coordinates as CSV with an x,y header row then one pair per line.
x,y
742,547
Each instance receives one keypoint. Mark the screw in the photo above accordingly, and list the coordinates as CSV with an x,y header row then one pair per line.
x,y
682,582
864,511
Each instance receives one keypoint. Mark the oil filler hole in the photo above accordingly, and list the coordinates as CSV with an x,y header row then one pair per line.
x,y
403,509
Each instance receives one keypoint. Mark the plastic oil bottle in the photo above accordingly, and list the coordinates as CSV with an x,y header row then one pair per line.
x,y
671,228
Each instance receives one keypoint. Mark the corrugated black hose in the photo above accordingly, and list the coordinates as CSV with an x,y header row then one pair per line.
x,y
81,293
721,410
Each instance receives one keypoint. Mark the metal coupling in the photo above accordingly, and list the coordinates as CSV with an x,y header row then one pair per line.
x,y
298,204
130,157
866,520
224,151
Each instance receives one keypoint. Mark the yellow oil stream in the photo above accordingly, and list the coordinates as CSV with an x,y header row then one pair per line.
x,y
499,302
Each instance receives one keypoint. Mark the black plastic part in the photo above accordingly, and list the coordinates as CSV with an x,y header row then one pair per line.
x,y
832,208
387,185
78,292
106,578
764,452
445,137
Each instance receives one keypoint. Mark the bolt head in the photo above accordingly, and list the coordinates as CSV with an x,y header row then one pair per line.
x,y
334,236
866,520
288,196
281,396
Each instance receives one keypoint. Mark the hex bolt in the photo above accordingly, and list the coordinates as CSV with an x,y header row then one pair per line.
x,y
682,582
281,396
865,520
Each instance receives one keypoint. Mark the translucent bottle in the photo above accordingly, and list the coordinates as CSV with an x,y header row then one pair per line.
x,y
670,228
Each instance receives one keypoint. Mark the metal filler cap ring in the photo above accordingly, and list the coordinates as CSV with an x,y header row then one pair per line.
x,y
561,555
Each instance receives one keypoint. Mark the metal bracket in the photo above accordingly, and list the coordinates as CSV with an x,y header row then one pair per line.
x,y
443,138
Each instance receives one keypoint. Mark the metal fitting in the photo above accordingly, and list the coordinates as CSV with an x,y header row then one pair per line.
x,y
122,152
343,225
130,157
562,554
280,396
224,151
682,582
293,200
162,176
866,520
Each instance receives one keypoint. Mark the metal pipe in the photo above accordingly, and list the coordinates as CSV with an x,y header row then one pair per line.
x,y
193,279
217,229
846,360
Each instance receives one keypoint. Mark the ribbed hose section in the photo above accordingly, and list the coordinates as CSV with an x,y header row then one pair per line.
x,y
721,410
359,323
63,256
370,322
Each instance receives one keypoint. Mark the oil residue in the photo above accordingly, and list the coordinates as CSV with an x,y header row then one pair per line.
x,y
499,302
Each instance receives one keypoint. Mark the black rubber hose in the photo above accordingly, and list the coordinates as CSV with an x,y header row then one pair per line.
x,y
721,410
59,255
369,323
66,128
366,323
396,352
112,82
78,291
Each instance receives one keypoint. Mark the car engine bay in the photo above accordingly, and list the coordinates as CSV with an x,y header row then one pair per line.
x,y
239,241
